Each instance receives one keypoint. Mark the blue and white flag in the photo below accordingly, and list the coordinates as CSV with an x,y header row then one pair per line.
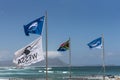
x,y
30,54
34,27
97,43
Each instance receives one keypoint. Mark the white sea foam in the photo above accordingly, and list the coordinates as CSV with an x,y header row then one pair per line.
x,y
64,72
48,68
49,71
39,71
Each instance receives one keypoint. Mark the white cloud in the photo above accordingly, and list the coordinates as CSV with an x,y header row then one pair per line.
x,y
110,54
5,55
53,54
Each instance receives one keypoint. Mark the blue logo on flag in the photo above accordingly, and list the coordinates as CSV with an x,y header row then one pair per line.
x,y
33,27
95,43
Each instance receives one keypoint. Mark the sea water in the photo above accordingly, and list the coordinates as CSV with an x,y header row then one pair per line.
x,y
54,73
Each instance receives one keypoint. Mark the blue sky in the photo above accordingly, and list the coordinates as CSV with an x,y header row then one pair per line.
x,y
81,20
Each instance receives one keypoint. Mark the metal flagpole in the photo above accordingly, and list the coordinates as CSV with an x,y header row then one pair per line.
x,y
69,59
103,56
46,46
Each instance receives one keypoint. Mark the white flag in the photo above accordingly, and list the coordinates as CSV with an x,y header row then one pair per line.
x,y
30,54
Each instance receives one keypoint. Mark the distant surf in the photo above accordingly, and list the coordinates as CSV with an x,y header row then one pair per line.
x,y
54,73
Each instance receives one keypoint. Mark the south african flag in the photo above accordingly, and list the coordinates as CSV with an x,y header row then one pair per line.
x,y
64,46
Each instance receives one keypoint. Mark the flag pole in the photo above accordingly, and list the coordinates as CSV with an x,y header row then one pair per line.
x,y
103,57
69,58
46,45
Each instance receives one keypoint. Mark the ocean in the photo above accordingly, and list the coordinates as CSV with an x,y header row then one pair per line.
x,y
54,73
